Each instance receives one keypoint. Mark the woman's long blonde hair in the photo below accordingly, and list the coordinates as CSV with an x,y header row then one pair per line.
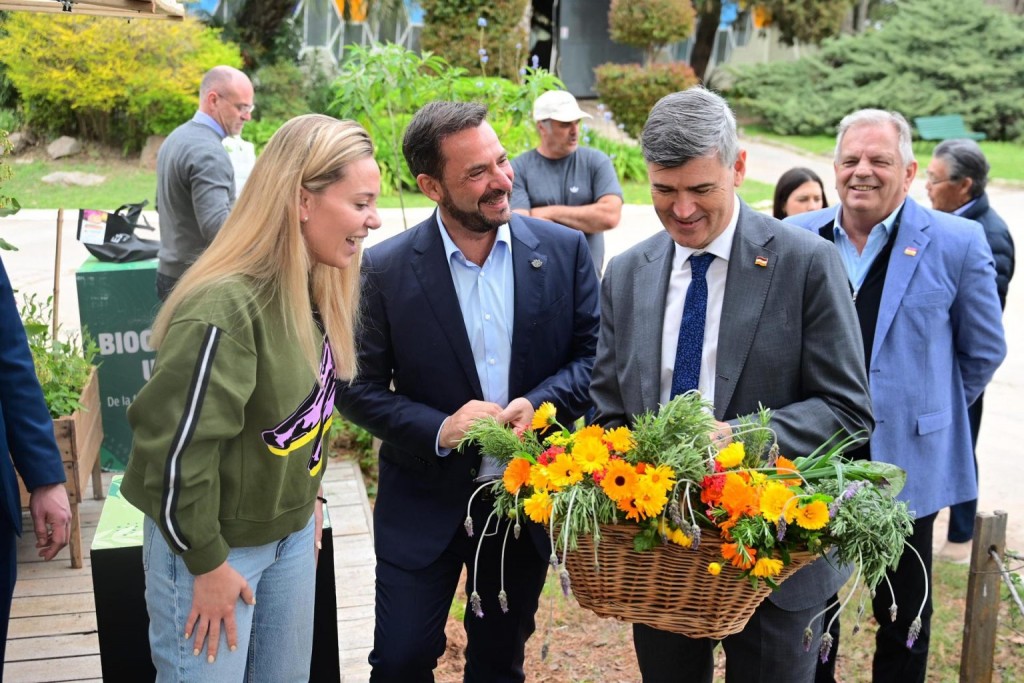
x,y
262,241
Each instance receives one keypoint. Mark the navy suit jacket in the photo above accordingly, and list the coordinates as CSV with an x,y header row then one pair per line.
x,y
26,430
938,341
416,368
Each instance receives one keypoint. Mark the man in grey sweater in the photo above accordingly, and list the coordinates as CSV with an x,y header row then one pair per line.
x,y
195,181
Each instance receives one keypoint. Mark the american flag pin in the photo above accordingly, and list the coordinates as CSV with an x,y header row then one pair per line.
x,y
910,251
761,261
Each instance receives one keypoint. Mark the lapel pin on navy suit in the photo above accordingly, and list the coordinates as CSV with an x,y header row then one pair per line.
x,y
536,263
761,261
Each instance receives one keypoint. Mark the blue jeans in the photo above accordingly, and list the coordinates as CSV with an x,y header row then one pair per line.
x,y
275,637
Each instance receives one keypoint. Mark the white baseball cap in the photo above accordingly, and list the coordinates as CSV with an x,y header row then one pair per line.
x,y
558,105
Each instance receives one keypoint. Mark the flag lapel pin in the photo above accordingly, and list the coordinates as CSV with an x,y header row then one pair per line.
x,y
910,251
761,262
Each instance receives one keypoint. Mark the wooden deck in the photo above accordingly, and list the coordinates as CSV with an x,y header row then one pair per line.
x,y
52,634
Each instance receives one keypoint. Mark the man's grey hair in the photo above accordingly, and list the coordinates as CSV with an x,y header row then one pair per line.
x,y
965,160
218,78
879,117
689,125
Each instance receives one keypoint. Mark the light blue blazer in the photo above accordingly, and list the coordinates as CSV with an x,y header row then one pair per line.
x,y
938,341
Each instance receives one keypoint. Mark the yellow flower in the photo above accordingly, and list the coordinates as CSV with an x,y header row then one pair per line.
x,y
775,498
516,474
649,498
812,516
565,471
679,538
590,453
590,432
661,476
538,507
714,568
558,439
732,455
619,440
540,479
766,567
543,416
619,481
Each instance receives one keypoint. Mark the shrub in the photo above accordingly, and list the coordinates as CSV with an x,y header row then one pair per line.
x,y
627,158
62,367
933,57
630,90
650,24
108,79
280,91
459,29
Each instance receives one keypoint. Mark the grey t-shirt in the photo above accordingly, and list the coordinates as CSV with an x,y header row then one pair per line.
x,y
581,178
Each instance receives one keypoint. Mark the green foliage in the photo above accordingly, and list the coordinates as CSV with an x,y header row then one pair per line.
x,y
384,85
108,79
933,57
650,24
626,157
452,29
281,91
62,367
807,21
8,205
630,90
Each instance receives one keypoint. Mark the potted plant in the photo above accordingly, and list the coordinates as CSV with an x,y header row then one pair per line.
x,y
71,389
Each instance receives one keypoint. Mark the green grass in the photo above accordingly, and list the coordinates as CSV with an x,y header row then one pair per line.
x,y
1005,158
125,183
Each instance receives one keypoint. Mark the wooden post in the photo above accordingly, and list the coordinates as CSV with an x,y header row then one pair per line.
x,y
56,274
982,617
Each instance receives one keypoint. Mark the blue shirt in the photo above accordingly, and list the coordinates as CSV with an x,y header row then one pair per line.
x,y
858,264
207,120
486,296
963,209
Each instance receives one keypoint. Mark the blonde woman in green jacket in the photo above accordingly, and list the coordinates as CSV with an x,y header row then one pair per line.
x,y
230,431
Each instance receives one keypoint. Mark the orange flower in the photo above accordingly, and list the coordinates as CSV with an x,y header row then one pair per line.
x,y
738,497
619,481
650,498
591,454
785,466
516,474
812,516
741,557
629,506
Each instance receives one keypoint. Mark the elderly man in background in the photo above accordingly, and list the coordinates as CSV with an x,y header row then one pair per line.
x,y
562,182
956,180
923,283
195,180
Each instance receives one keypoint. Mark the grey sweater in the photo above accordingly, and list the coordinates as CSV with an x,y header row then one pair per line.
x,y
195,189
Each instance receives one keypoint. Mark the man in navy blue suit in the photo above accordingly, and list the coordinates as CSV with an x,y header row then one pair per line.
x,y
26,432
474,312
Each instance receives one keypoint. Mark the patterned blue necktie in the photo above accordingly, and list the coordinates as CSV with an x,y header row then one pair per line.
x,y
686,373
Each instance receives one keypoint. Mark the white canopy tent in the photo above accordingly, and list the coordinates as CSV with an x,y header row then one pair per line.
x,y
127,9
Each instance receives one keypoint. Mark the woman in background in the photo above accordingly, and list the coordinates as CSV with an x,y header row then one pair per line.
x,y
799,190
230,431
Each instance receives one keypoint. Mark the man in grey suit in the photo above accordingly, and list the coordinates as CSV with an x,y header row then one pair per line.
x,y
195,181
779,330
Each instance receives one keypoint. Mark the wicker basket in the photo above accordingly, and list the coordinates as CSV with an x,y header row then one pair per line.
x,y
668,587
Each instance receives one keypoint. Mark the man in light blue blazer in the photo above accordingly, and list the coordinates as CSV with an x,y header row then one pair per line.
x,y
924,287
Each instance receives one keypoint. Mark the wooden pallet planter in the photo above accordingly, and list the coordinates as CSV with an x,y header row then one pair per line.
x,y
79,437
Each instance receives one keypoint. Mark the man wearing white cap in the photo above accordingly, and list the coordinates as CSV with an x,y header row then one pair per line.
x,y
560,181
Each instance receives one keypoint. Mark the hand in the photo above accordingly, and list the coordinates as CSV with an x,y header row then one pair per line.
x,y
214,595
318,521
722,436
51,519
518,414
456,425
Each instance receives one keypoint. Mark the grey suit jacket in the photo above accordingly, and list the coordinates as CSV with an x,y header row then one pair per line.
x,y
788,339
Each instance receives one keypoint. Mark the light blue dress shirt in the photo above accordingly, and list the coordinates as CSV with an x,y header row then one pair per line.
x,y
486,296
858,264
207,120
963,209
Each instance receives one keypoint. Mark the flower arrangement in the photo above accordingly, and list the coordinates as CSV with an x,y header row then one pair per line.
x,y
666,477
